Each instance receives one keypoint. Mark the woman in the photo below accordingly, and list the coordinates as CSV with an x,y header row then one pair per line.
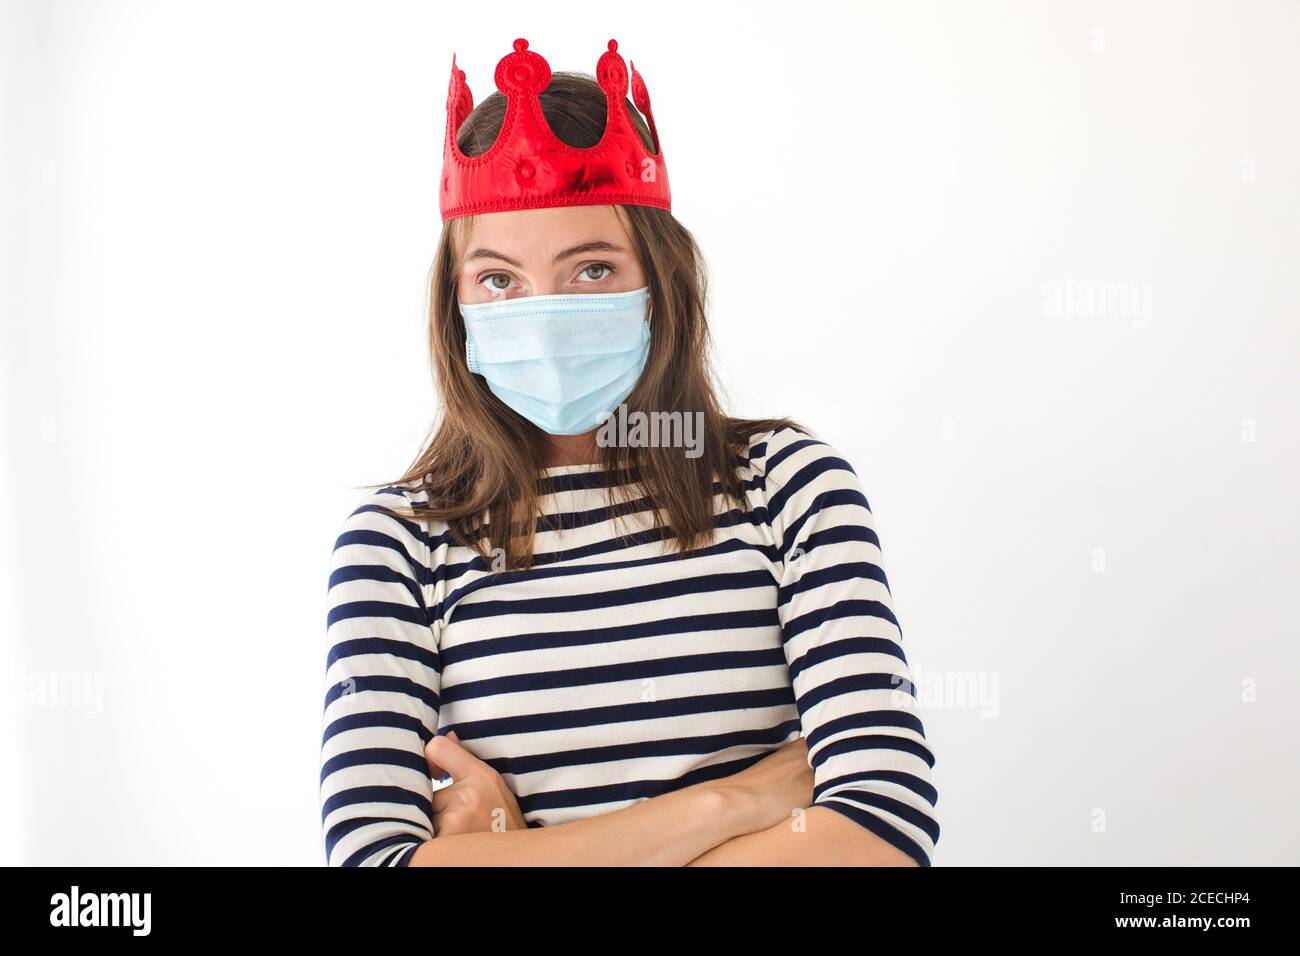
x,y
563,638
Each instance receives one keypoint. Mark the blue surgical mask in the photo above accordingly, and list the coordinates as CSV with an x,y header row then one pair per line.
x,y
564,362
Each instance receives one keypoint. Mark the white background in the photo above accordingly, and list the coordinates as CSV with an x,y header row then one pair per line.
x,y
218,220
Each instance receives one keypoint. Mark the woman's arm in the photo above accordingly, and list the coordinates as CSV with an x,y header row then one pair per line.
x,y
850,677
477,818
821,837
479,803
668,830
382,686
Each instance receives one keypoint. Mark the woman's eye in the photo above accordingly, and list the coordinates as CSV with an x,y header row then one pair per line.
x,y
496,282
595,272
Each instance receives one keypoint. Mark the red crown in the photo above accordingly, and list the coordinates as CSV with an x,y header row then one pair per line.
x,y
528,167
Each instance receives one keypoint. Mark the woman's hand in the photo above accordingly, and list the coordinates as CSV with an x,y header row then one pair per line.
x,y
772,789
477,800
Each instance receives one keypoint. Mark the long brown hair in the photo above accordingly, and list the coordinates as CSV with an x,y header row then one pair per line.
x,y
480,464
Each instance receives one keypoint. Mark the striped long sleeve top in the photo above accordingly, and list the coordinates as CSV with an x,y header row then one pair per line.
x,y
615,670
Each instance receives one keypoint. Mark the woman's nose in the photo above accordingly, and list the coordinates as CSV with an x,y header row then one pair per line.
x,y
547,286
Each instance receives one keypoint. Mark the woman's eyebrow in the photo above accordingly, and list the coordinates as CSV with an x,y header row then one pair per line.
x,y
491,254
594,245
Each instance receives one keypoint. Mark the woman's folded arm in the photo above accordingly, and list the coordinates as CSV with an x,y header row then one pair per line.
x,y
852,685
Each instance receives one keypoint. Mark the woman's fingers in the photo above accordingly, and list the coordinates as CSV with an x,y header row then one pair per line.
x,y
446,755
436,772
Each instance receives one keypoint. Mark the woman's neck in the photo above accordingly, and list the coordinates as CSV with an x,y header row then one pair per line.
x,y
573,449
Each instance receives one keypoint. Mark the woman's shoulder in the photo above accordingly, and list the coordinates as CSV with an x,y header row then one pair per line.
x,y
799,476
780,452
394,497
391,515
792,470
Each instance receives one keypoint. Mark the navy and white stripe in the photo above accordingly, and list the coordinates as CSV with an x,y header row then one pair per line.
x,y
615,670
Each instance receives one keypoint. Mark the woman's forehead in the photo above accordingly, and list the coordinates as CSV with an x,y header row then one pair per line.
x,y
537,234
